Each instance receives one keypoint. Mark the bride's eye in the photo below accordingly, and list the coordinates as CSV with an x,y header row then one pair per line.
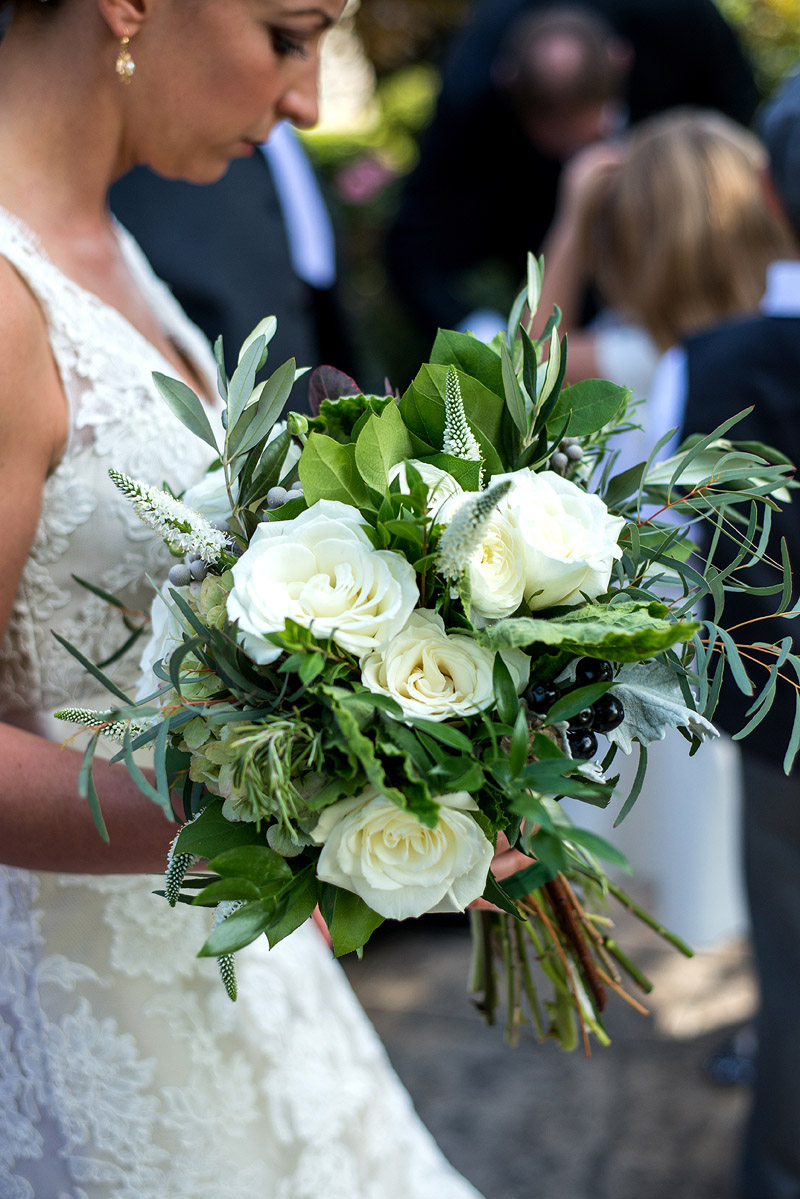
x,y
285,45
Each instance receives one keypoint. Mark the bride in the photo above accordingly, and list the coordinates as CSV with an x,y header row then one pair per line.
x,y
125,1073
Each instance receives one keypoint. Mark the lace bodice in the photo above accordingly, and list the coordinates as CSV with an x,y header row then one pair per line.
x,y
116,418
125,1072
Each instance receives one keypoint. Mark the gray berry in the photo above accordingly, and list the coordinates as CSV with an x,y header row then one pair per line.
x,y
198,570
559,462
276,497
180,575
295,490
574,453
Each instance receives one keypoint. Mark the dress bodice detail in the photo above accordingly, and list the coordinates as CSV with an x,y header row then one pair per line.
x,y
86,528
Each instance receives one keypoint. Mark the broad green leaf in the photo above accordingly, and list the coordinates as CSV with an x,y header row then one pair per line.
x,y
505,693
445,733
422,409
625,632
257,863
466,474
226,890
328,470
470,355
350,921
382,443
495,893
239,929
530,879
211,834
590,405
300,900
186,406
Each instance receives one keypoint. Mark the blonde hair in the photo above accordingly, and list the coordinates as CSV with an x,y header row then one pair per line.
x,y
679,236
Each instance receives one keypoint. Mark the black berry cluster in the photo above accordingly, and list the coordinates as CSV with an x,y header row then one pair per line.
x,y
605,714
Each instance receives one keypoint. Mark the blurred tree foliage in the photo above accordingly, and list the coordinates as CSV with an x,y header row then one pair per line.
x,y
770,30
396,33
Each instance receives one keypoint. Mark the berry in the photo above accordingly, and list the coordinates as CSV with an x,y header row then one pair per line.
x,y
582,744
574,453
541,697
180,575
559,462
198,570
276,497
583,719
608,713
592,670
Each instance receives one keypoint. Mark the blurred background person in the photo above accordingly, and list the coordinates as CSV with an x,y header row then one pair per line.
x,y
755,361
258,242
526,86
672,229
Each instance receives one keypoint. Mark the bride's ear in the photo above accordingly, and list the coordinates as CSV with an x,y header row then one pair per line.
x,y
125,17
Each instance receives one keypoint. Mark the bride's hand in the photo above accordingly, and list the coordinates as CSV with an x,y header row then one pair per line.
x,y
506,861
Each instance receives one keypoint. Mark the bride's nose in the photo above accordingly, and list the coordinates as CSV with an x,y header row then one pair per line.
x,y
300,104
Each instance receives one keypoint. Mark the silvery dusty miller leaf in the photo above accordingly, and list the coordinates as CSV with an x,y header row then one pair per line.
x,y
651,696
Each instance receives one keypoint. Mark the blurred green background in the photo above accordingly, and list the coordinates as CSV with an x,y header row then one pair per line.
x,y
391,51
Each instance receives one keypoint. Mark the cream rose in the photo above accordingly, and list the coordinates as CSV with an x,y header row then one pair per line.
x,y
437,675
497,568
321,571
568,536
397,865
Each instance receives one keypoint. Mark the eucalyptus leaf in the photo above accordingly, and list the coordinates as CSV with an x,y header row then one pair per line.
x,y
186,406
267,329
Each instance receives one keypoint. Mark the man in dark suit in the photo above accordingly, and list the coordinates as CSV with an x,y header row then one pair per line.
x,y
259,242
484,190
756,361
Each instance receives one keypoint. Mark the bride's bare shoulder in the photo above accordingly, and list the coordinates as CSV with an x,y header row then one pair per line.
x,y
32,405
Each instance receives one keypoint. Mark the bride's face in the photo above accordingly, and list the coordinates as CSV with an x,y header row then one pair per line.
x,y
213,77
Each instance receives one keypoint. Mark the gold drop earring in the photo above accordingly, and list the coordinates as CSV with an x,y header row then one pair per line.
x,y
125,66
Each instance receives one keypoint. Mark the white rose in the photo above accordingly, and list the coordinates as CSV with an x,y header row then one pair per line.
x,y
437,675
209,496
568,535
497,568
321,571
397,865
441,485
166,634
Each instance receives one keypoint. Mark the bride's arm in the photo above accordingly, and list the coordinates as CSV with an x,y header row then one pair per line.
x,y
44,824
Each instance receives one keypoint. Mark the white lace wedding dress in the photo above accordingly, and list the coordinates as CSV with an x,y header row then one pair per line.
x,y
125,1072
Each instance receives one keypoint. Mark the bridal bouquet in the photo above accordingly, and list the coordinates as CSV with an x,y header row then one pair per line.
x,y
399,633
